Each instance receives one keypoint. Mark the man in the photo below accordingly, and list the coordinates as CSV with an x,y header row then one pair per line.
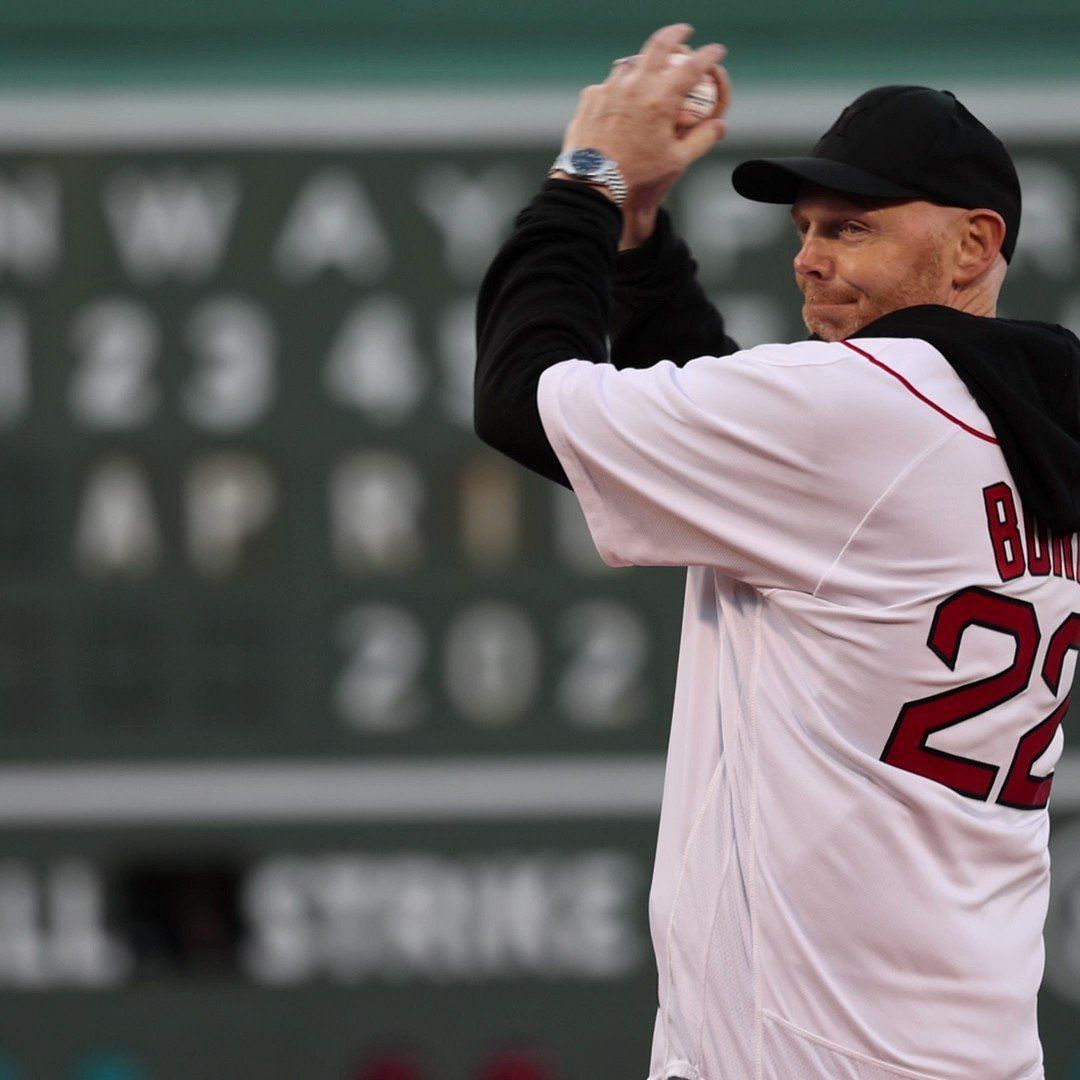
x,y
882,601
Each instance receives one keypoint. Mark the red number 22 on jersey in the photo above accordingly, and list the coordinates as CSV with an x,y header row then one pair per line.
x,y
918,720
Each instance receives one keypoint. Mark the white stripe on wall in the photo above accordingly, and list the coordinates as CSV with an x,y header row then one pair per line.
x,y
213,791
437,116
537,789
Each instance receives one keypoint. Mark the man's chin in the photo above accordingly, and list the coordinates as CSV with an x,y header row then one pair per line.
x,y
832,322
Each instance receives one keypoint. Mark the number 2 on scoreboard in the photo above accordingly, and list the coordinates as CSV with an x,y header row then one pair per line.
x,y
918,720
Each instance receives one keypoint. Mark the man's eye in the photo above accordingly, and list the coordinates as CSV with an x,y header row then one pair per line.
x,y
852,227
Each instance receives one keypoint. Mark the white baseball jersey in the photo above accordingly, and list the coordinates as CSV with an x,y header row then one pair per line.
x,y
852,875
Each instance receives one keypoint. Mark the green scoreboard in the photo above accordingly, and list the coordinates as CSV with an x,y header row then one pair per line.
x,y
330,747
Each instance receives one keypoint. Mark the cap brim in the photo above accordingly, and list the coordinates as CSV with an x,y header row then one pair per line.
x,y
777,180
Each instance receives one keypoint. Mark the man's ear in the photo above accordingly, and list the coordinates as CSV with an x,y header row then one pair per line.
x,y
982,232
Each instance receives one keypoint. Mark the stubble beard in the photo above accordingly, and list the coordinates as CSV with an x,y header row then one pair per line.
x,y
833,329
921,286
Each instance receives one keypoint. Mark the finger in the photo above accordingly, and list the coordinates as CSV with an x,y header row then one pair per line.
x,y
622,67
685,74
701,138
724,90
666,40
627,64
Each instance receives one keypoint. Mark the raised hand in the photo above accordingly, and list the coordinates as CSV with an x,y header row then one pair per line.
x,y
631,116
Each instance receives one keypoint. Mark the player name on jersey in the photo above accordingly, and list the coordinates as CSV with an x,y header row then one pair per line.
x,y
1025,546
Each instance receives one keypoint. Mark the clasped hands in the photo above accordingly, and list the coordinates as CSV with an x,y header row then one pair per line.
x,y
631,117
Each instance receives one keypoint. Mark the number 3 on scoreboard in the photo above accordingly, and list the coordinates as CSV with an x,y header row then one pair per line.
x,y
918,720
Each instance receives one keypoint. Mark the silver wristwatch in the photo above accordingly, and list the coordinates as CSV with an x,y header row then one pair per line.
x,y
588,163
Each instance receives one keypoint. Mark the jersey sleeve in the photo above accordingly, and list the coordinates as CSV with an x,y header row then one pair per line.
x,y
748,463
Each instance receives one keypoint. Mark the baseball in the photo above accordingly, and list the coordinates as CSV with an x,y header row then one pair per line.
x,y
700,103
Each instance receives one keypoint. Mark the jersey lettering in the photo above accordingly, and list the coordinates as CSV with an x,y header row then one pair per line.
x,y
1038,547
918,720
1062,548
1004,530
1034,549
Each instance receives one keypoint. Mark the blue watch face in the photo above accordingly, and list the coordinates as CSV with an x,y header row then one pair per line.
x,y
587,160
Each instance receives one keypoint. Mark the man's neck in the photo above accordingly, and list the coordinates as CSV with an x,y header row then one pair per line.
x,y
975,303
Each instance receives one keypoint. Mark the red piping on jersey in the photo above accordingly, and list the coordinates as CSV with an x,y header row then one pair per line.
x,y
922,397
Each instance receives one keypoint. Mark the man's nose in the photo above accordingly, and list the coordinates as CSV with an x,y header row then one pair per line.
x,y
812,260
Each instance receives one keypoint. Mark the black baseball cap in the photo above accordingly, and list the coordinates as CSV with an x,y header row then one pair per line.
x,y
900,142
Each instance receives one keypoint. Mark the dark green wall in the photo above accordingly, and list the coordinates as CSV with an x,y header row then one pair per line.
x,y
123,42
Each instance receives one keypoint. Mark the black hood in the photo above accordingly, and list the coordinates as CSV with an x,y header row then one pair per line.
x,y
1026,378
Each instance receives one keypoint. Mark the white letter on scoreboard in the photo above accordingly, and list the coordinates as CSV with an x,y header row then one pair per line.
x,y
332,226
30,223
374,363
171,223
375,504
471,213
116,341
117,532
234,380
230,498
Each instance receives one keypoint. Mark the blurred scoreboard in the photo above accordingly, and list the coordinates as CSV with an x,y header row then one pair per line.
x,y
330,747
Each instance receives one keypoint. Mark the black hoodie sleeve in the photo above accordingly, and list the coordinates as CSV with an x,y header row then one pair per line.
x,y
660,310
548,297
545,298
